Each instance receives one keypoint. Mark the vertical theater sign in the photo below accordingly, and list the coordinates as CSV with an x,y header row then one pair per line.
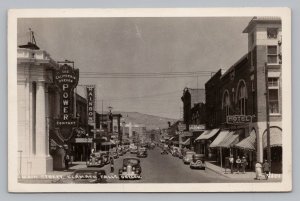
x,y
90,91
66,79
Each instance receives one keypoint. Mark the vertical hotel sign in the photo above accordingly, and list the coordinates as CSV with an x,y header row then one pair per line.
x,y
90,91
66,79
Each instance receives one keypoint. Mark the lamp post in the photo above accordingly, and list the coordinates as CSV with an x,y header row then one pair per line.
x,y
110,118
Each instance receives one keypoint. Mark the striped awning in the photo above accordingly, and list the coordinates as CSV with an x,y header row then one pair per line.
x,y
231,139
219,139
186,142
275,138
248,143
207,135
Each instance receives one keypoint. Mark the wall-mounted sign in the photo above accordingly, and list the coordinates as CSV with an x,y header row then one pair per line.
x,y
83,140
197,127
239,119
66,79
90,93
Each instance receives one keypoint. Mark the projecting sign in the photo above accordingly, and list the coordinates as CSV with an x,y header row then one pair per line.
x,y
66,79
199,127
239,119
90,93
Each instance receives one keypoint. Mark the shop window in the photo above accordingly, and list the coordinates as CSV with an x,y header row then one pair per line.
x,y
273,85
272,54
272,33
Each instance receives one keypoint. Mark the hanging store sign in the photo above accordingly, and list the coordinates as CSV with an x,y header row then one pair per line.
x,y
90,93
239,119
66,79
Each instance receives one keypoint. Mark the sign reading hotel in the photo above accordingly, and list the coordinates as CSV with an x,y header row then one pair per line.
x,y
90,92
239,119
66,79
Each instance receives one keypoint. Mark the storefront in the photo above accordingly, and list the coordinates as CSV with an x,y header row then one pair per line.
x,y
204,140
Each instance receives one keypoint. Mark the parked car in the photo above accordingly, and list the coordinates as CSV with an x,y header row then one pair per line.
x,y
197,162
187,158
105,158
131,169
175,151
84,176
95,160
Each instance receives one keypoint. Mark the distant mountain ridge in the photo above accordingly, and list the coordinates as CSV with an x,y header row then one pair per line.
x,y
150,121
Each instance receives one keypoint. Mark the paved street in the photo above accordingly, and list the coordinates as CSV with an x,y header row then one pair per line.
x,y
157,168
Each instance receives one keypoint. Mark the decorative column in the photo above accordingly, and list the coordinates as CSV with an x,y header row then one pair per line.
x,y
41,120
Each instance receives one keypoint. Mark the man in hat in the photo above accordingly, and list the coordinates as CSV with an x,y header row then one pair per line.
x,y
244,164
266,168
231,161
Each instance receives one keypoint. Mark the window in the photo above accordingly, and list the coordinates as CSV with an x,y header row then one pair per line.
x,y
226,104
272,54
242,99
273,85
272,33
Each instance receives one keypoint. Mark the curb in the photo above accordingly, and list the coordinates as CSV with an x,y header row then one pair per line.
x,y
219,173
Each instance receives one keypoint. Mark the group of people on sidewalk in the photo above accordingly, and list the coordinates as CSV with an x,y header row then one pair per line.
x,y
239,163
262,170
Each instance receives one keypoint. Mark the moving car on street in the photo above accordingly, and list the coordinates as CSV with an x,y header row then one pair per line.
x,y
84,176
198,162
142,153
131,169
187,158
95,160
133,150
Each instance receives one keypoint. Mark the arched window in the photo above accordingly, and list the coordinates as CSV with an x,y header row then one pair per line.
x,y
226,104
242,98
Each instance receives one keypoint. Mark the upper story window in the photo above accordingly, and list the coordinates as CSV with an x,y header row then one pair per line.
x,y
272,54
273,86
242,99
226,104
272,33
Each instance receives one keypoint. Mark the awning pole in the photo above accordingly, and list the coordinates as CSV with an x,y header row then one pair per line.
x,y
221,157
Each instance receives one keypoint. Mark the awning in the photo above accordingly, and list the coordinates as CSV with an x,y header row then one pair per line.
x,y
208,135
186,142
231,139
275,138
248,143
219,138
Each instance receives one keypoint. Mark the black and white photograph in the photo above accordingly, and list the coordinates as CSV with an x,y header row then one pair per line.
x,y
149,100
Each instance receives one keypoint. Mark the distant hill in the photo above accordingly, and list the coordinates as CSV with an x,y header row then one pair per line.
x,y
150,121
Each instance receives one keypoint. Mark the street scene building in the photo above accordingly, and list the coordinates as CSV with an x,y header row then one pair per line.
x,y
101,113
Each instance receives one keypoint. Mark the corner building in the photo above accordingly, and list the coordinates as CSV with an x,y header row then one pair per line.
x,y
241,91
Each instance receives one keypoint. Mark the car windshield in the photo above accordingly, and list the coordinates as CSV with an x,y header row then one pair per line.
x,y
130,161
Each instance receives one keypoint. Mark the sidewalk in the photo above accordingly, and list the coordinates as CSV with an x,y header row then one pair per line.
x,y
248,176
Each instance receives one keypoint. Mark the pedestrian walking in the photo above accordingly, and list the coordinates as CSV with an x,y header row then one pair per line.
x,y
266,168
238,164
67,160
244,164
231,161
112,169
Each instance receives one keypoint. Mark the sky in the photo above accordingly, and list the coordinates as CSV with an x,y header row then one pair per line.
x,y
140,45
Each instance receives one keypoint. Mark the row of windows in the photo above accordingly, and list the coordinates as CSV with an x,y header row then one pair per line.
x,y
242,101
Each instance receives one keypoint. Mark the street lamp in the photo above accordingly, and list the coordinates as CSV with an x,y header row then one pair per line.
x,y
110,118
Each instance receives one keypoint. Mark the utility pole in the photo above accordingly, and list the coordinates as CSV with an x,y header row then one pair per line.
x,y
267,116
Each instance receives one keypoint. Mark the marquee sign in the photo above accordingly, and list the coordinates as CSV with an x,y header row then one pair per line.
x,y
66,79
239,119
90,92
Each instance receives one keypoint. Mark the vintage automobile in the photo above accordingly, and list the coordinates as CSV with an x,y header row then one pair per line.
x,y
114,153
95,160
133,150
105,158
84,176
197,162
175,151
142,153
187,158
131,169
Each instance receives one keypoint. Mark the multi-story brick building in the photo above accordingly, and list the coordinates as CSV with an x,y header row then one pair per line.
x,y
236,99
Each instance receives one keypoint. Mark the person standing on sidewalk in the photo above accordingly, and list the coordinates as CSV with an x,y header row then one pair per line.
x,y
238,164
244,164
231,161
67,160
266,168
112,169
